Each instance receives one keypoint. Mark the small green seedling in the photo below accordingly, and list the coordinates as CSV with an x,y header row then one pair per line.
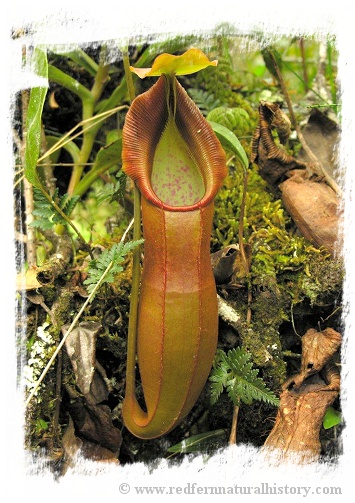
x,y
331,418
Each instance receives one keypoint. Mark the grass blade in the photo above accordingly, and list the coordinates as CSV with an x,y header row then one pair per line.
x,y
196,442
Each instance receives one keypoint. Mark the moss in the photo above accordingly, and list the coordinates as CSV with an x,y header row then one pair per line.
x,y
321,281
61,309
267,227
262,337
264,343
285,270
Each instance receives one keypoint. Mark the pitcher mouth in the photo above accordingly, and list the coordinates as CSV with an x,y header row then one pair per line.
x,y
170,150
176,178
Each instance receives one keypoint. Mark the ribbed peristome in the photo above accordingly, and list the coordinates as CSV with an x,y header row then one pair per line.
x,y
145,123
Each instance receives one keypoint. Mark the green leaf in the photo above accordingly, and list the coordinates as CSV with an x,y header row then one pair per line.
x,y
108,155
71,147
191,61
229,140
113,191
34,118
235,119
83,60
196,443
331,418
41,426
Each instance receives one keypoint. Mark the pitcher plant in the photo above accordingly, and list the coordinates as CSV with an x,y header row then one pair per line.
x,y
172,154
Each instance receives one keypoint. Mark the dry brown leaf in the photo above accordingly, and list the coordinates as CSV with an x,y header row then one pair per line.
x,y
322,135
318,348
305,398
273,162
81,348
27,280
315,209
228,266
94,423
299,418
73,447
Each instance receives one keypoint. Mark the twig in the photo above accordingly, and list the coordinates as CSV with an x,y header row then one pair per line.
x,y
58,261
293,322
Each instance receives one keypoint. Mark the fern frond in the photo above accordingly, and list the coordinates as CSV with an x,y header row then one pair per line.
x,y
113,191
46,215
114,257
234,372
204,100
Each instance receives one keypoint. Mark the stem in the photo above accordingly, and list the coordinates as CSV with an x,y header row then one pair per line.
x,y
101,78
92,175
85,151
58,395
329,72
133,310
88,98
69,83
67,138
304,65
46,168
245,262
69,222
233,433
241,223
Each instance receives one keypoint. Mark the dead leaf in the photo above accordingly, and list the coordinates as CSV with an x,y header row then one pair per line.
x,y
93,423
227,264
74,447
98,390
27,280
70,443
318,348
299,419
322,135
81,348
315,209
273,162
305,398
